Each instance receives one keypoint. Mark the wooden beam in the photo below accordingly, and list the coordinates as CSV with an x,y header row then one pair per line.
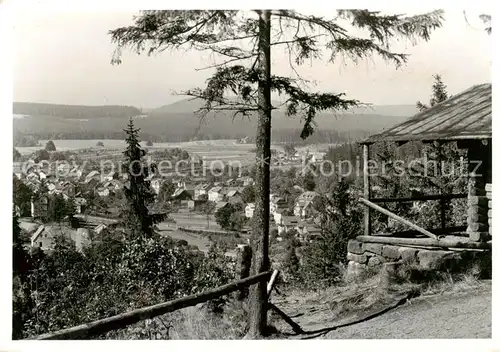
x,y
420,198
366,191
125,319
296,327
397,218
271,282
459,242
455,230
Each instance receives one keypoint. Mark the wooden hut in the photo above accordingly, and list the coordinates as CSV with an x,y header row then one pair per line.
x,y
465,118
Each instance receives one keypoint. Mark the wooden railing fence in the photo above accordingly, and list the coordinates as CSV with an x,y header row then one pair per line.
x,y
123,320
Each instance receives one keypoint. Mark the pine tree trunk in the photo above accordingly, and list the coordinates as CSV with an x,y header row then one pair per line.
x,y
260,233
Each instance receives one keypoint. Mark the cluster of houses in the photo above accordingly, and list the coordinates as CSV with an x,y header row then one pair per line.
x,y
303,218
282,158
188,194
35,176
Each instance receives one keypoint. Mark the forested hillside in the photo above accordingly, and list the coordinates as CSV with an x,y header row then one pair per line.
x,y
178,122
74,111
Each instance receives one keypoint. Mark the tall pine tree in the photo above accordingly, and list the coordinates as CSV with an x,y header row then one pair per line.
x,y
242,42
138,219
439,94
442,173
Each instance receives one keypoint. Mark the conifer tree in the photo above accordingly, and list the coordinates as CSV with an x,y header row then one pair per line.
x,y
441,175
439,94
243,41
138,219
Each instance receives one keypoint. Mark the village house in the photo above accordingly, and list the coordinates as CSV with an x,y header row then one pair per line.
x,y
287,223
304,204
80,204
34,185
182,194
68,188
201,189
156,185
45,236
103,191
17,210
51,187
93,175
246,181
76,173
220,205
277,216
277,204
249,210
316,157
39,207
63,169
193,204
231,182
215,194
307,230
32,175
99,228
233,195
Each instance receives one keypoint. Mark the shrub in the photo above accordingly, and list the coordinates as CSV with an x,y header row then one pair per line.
x,y
112,276
340,221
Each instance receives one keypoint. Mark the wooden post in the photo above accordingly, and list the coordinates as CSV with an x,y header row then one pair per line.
x,y
245,261
439,172
366,183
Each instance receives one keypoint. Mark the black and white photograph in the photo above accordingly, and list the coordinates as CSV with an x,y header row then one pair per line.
x,y
250,174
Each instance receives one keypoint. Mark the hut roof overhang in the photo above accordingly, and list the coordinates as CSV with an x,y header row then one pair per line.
x,y
465,116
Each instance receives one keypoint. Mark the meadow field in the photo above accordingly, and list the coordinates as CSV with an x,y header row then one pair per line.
x,y
225,150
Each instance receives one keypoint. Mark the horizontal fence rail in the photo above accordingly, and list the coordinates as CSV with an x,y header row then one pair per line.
x,y
420,198
120,321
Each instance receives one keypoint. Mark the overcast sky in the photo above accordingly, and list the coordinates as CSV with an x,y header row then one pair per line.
x,y
65,58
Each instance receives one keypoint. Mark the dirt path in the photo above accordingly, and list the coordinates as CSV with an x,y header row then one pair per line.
x,y
448,316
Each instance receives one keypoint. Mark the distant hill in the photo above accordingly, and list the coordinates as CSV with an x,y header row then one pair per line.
x,y
74,111
183,106
177,122
387,110
191,105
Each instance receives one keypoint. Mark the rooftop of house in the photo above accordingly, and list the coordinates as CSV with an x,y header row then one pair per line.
x,y
93,174
52,231
306,197
219,205
290,220
178,192
467,115
233,193
202,186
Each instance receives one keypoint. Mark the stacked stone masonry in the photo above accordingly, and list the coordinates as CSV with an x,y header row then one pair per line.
x,y
490,211
479,195
479,204
364,257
